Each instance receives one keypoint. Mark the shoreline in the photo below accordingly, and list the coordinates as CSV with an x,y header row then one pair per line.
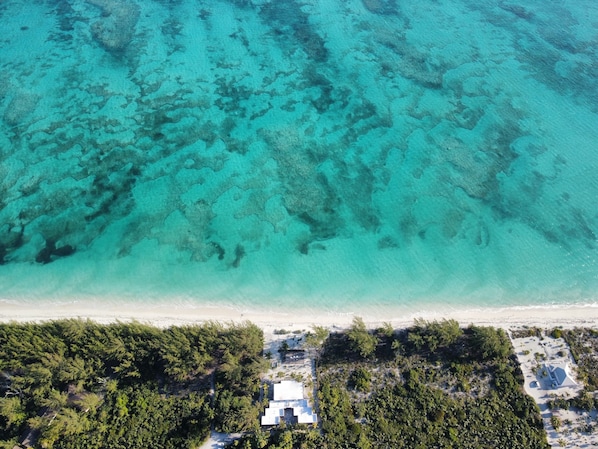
x,y
165,315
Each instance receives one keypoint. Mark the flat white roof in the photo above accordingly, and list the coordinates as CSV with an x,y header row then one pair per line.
x,y
288,390
288,394
270,420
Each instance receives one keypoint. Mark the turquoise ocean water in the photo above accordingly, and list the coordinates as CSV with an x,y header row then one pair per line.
x,y
335,154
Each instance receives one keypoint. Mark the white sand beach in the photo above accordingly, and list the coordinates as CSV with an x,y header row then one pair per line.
x,y
297,319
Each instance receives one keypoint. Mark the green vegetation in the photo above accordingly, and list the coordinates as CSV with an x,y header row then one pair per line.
x,y
433,385
295,437
360,379
555,421
527,331
360,340
73,384
316,338
434,335
584,348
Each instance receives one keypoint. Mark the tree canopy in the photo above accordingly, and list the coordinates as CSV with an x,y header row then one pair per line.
x,y
82,384
360,338
440,386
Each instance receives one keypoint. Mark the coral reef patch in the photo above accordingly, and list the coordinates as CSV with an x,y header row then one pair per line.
x,y
116,26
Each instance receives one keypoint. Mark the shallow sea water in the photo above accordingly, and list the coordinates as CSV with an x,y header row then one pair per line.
x,y
340,155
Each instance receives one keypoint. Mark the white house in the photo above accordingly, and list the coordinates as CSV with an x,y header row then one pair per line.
x,y
561,375
288,404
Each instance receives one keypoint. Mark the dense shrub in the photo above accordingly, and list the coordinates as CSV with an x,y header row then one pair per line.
x,y
73,383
